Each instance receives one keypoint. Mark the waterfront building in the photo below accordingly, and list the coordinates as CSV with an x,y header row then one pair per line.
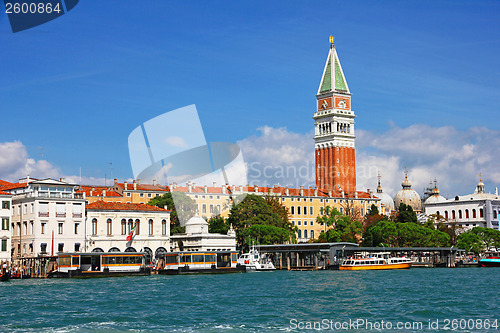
x,y
47,217
197,238
408,196
134,192
127,227
334,130
5,233
479,209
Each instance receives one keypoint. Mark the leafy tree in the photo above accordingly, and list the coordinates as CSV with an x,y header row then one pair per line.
x,y
406,214
218,225
344,228
255,210
185,205
490,238
373,211
470,242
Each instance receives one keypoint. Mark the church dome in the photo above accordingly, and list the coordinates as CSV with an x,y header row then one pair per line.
x,y
196,225
408,196
435,197
385,199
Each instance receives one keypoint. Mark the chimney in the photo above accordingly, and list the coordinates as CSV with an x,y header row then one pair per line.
x,y
91,190
174,185
215,184
371,194
165,207
154,182
61,179
206,189
302,191
255,188
241,188
356,194
125,185
116,181
343,194
103,193
224,187
330,193
135,185
287,191
315,192
190,187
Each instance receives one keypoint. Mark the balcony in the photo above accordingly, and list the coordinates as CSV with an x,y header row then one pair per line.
x,y
60,214
75,215
40,214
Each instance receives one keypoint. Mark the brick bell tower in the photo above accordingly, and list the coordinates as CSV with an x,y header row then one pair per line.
x,y
334,130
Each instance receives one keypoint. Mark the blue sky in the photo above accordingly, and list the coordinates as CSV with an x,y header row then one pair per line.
x,y
77,86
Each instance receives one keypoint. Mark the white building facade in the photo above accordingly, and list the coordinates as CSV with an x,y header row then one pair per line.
x,y
110,223
478,209
5,232
47,217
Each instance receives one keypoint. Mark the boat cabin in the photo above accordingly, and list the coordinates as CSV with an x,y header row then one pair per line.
x,y
101,262
200,260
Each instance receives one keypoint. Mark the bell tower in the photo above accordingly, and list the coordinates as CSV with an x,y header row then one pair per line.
x,y
334,130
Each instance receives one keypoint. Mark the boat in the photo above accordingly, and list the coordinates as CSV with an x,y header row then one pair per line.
x,y
5,276
100,264
377,261
254,261
491,259
200,262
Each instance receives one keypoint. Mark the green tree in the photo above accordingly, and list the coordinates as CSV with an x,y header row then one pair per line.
x,y
470,242
343,228
373,211
255,210
217,224
186,209
406,214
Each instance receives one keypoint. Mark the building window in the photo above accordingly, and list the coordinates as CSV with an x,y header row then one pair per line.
x,y
204,208
494,214
5,223
77,248
109,227
466,213
446,214
217,209
299,223
293,222
124,227
163,227
453,215
60,247
94,227
32,227
299,234
460,214
77,225
473,213
25,210
298,210
311,210
141,195
437,213
292,210
362,211
4,245
311,223
42,229
305,210
211,209
130,225
305,222
305,233
150,225
312,233
60,228
5,205
128,194
149,195
481,214
43,247
138,226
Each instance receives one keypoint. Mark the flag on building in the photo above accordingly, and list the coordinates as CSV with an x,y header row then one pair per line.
x,y
131,233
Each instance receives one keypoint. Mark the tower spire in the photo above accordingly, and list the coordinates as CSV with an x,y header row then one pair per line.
x,y
333,78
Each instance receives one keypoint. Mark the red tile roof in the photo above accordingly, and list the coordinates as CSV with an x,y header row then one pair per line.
x,y
97,191
13,186
4,193
144,187
4,183
103,205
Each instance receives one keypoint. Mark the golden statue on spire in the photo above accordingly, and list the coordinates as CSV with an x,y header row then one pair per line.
x,y
331,40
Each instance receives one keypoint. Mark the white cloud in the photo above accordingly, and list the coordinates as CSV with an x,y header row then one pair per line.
x,y
176,141
453,157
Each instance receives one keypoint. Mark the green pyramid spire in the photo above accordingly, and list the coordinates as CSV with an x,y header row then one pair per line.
x,y
333,78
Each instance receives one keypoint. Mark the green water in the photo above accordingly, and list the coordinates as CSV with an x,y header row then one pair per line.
x,y
256,302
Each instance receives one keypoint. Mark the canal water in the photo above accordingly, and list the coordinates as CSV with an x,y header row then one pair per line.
x,y
415,300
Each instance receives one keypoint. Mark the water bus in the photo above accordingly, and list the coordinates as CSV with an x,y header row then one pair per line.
x,y
174,263
254,261
100,264
376,261
491,259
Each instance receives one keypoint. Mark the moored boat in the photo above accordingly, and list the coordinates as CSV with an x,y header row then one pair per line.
x,y
492,259
378,261
203,262
253,260
5,276
100,264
